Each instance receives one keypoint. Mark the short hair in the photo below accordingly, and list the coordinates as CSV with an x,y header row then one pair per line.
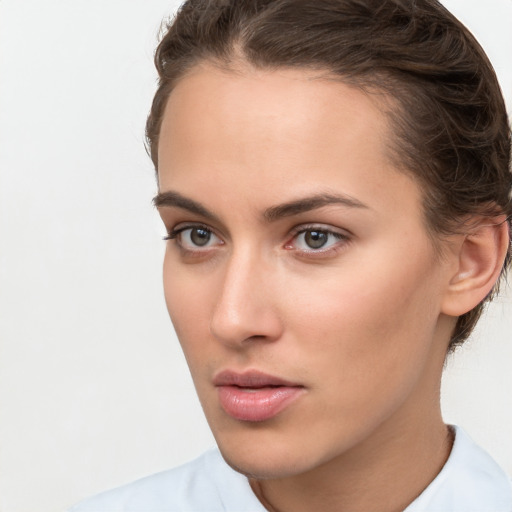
x,y
451,130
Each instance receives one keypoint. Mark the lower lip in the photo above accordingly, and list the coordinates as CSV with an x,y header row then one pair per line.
x,y
256,404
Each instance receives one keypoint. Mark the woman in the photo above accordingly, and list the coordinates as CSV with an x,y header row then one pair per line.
x,y
334,178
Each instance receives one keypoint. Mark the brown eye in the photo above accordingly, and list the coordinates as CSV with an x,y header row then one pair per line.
x,y
195,238
311,240
200,236
315,239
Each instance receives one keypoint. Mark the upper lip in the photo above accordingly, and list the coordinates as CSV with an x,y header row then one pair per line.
x,y
250,379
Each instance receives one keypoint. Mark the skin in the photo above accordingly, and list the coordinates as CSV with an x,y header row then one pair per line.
x,y
360,323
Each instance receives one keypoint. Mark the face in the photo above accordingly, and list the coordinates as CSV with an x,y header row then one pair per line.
x,y
298,273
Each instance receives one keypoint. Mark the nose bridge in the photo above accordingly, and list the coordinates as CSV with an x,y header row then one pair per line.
x,y
244,309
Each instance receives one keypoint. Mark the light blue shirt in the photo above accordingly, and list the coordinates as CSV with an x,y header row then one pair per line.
x,y
470,481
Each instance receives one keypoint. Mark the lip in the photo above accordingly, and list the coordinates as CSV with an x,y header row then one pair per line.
x,y
253,395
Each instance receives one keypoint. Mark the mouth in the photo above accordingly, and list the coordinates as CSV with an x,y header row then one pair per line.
x,y
254,396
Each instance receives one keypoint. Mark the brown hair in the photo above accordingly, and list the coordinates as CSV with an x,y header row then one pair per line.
x,y
450,119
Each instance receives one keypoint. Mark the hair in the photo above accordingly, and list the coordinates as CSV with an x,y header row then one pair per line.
x,y
450,126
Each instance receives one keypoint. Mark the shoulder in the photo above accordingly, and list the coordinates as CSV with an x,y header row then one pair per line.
x,y
471,481
206,483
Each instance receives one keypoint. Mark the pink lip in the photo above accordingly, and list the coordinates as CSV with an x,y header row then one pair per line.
x,y
254,396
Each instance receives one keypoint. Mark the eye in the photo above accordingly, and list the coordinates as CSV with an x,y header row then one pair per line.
x,y
199,237
193,238
316,239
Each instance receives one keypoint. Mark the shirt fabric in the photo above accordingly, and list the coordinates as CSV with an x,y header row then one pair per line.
x,y
470,481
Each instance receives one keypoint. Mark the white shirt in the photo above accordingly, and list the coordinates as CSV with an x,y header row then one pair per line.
x,y
470,481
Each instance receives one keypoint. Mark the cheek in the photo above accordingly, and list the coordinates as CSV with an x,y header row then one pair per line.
x,y
375,305
374,319
364,351
190,299
181,299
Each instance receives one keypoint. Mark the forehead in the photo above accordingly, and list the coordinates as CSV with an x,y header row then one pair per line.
x,y
310,106
258,129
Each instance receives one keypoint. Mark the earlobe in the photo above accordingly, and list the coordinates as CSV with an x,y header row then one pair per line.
x,y
480,260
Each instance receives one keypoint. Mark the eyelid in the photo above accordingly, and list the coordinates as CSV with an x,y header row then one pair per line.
x,y
188,248
183,226
320,227
343,237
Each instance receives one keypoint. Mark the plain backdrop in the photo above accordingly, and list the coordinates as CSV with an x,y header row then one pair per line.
x,y
94,391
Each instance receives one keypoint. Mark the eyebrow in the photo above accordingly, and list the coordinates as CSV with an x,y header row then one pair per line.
x,y
311,203
175,199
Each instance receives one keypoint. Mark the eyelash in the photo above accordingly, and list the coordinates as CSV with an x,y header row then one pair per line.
x,y
341,239
299,230
174,233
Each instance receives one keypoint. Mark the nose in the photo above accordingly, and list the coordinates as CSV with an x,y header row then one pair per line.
x,y
246,306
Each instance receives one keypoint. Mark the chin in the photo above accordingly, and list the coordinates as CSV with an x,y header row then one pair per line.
x,y
264,455
263,467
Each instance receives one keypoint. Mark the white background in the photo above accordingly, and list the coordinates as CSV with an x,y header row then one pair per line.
x,y
94,391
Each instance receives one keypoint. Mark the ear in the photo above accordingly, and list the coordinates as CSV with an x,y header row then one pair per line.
x,y
480,259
